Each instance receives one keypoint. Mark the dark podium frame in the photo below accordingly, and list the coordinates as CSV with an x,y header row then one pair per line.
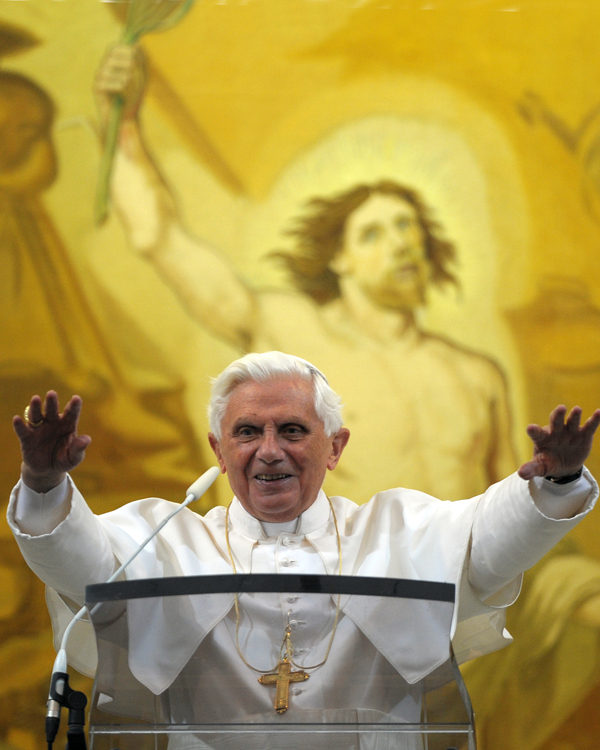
x,y
123,591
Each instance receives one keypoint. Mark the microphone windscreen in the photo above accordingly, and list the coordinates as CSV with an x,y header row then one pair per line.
x,y
199,487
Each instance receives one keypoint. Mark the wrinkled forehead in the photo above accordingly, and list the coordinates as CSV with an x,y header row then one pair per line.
x,y
288,397
281,387
276,381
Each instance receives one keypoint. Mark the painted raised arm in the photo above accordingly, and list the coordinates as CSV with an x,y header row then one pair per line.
x,y
203,281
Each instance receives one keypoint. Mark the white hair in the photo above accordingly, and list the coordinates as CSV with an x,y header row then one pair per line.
x,y
269,366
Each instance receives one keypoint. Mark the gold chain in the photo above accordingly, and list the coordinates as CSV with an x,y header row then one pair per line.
x,y
286,646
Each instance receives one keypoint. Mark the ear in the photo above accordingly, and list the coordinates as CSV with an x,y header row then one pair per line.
x,y
339,442
214,444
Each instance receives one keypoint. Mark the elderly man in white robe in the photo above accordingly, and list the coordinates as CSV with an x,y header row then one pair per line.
x,y
276,430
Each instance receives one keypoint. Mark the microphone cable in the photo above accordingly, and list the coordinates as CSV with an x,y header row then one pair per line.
x,y
60,693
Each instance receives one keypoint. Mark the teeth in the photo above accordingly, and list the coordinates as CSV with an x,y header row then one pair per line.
x,y
271,477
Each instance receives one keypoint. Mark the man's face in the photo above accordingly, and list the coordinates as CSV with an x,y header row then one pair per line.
x,y
274,448
383,250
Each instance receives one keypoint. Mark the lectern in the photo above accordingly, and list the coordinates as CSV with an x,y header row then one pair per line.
x,y
276,662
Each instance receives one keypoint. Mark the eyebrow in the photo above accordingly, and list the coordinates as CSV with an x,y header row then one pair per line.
x,y
371,224
252,422
374,224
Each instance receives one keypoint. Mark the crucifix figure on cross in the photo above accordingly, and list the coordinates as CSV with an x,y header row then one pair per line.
x,y
282,679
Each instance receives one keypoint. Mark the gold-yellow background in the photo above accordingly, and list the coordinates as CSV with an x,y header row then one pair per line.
x,y
490,109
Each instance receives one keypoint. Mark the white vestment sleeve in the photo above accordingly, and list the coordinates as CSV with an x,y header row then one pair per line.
x,y
39,513
561,501
69,556
510,536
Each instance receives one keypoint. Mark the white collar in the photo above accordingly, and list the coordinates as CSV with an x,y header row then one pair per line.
x,y
312,519
273,530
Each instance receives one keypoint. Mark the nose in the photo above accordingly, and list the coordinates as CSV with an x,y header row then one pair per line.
x,y
400,243
269,451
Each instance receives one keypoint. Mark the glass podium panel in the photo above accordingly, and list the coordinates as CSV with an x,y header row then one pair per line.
x,y
276,661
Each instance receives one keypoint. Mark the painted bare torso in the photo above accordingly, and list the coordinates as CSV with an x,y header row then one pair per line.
x,y
423,412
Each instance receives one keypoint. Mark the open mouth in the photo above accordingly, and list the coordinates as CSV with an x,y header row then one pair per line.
x,y
406,272
271,477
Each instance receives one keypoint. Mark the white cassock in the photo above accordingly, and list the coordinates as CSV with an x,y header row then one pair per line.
x,y
481,545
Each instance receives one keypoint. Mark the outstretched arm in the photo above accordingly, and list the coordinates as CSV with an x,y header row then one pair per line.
x,y
560,448
509,533
50,445
201,278
65,556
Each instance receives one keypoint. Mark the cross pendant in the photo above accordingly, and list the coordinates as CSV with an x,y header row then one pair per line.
x,y
282,679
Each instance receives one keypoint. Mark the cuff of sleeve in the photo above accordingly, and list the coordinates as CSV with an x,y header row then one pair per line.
x,y
505,596
37,513
563,501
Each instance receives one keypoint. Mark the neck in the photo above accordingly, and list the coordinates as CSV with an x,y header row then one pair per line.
x,y
381,323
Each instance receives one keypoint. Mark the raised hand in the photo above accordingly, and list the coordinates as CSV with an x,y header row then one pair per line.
x,y
560,448
49,441
121,73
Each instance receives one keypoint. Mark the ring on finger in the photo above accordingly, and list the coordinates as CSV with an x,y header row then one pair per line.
x,y
28,421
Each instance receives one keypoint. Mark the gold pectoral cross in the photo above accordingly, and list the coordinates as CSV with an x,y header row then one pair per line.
x,y
282,679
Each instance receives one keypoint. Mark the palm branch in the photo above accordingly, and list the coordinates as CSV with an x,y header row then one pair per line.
x,y
143,17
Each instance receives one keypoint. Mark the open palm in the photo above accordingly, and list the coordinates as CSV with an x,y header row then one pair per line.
x,y
49,441
560,448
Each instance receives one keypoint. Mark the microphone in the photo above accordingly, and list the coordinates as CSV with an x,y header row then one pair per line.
x,y
201,485
59,683
57,688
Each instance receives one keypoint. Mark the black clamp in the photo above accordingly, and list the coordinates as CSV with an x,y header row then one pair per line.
x,y
61,694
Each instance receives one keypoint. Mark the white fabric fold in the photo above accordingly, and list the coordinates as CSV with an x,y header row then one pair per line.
x,y
40,513
399,534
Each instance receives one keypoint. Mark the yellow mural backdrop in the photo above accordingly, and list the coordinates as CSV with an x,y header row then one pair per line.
x,y
270,134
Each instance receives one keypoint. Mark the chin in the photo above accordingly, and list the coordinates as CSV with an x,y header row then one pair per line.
x,y
401,299
271,511
405,302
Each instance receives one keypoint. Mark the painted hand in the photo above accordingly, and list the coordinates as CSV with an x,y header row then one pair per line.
x,y
122,72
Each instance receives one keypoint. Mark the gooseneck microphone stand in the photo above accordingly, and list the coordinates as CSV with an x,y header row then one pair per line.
x,y
61,694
